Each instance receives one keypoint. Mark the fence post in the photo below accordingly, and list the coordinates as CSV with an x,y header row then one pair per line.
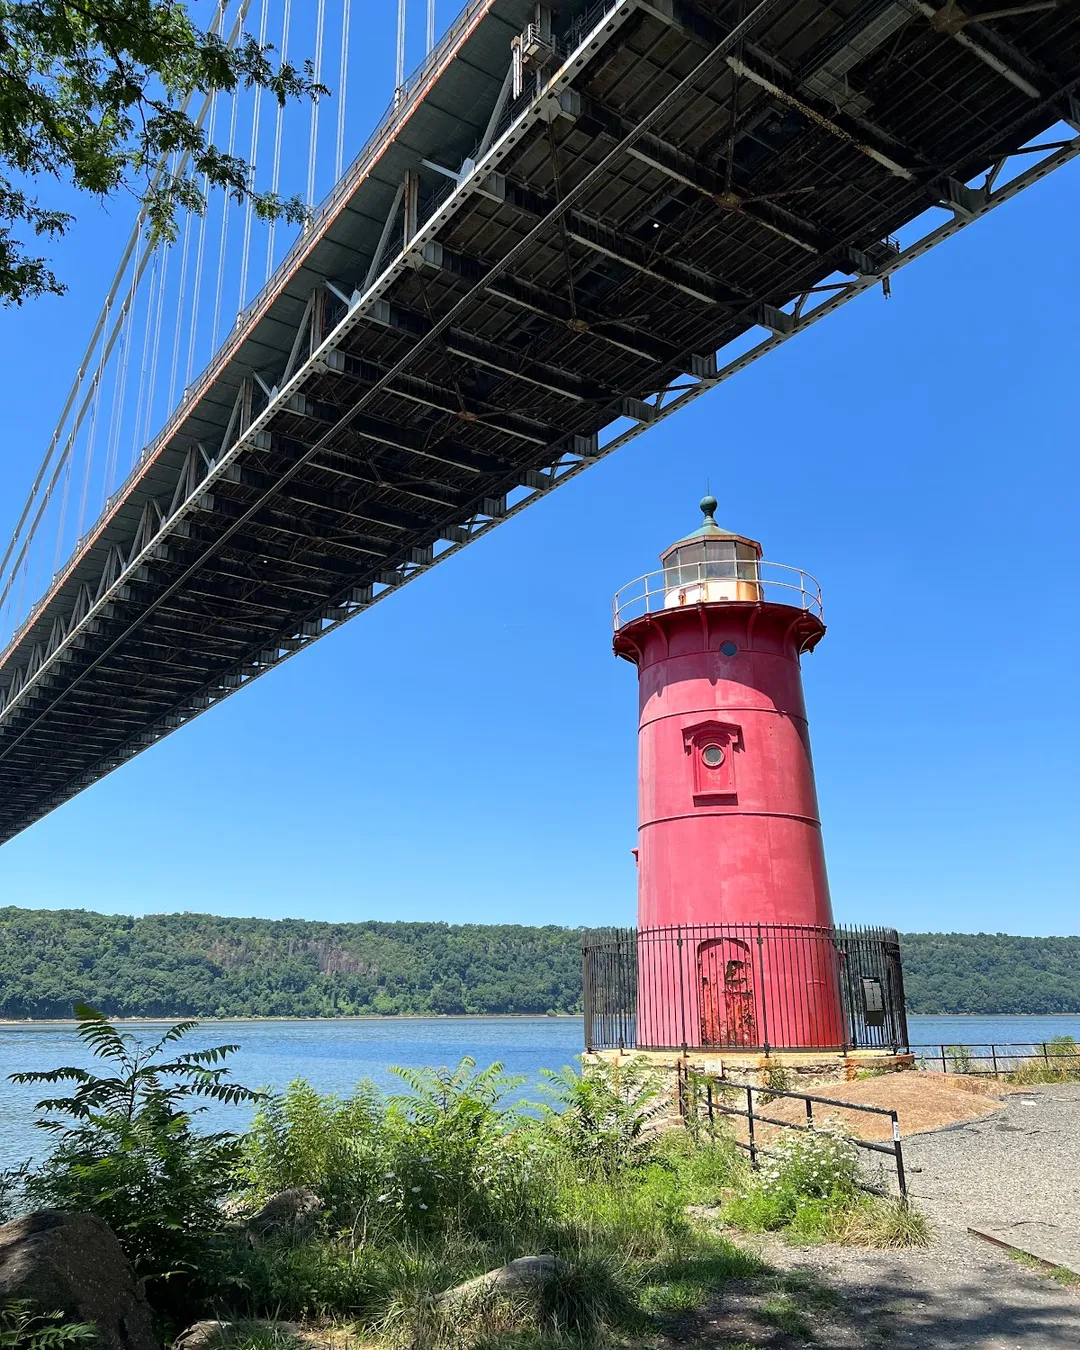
x,y
682,991
901,1179
1046,1052
763,1000
944,1066
809,1112
750,1124
709,1103
993,1056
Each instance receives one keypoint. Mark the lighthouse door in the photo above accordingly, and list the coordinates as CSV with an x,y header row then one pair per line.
x,y
726,993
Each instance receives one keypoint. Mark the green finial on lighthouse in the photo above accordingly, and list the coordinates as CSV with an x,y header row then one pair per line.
x,y
708,506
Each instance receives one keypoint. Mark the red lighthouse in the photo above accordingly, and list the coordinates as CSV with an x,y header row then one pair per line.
x,y
730,856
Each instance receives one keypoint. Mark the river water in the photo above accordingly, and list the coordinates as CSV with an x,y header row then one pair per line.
x,y
334,1055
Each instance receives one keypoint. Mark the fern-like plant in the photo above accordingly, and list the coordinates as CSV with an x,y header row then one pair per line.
x,y
126,1150
602,1114
22,1327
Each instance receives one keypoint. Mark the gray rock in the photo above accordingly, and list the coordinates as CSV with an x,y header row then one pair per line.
x,y
209,1334
285,1213
73,1264
526,1272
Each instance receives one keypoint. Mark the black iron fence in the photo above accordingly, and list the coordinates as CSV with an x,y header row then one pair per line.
x,y
743,987
719,1096
993,1059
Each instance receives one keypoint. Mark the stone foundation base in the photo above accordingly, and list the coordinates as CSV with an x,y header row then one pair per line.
x,y
790,1070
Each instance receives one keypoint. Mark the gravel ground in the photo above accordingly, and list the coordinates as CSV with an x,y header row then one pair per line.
x,y
1020,1166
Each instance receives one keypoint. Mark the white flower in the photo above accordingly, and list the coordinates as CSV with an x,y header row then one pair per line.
x,y
415,1190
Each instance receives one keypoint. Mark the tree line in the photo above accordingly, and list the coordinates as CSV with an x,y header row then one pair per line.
x,y
200,965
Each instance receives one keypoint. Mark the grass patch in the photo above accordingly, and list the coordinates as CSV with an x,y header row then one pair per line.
x,y
783,1312
1059,1274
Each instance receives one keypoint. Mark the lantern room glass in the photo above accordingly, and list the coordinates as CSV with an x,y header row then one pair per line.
x,y
710,560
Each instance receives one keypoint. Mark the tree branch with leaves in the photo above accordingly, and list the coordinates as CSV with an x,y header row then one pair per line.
x,y
96,94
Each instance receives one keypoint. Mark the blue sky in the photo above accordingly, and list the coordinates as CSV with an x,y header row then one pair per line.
x,y
466,751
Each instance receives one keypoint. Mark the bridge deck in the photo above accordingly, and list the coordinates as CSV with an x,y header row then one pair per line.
x,y
505,286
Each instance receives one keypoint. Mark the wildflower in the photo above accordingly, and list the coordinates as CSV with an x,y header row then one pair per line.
x,y
415,1190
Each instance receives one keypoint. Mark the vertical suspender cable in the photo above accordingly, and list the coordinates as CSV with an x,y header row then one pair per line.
x,y
226,202
181,297
99,328
276,180
63,514
151,396
399,70
246,254
430,26
313,144
343,85
144,360
200,254
116,421
91,441
121,328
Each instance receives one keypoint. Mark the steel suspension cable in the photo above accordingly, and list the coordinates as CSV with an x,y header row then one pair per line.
x,y
200,255
181,297
144,360
226,202
99,326
106,351
245,256
276,179
399,69
116,421
343,85
152,392
313,143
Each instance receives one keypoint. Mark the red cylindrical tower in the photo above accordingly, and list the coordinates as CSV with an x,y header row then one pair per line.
x,y
729,832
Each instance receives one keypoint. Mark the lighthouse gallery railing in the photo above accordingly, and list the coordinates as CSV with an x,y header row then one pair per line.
x,y
716,580
744,987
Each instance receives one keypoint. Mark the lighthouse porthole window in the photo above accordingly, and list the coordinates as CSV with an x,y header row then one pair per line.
x,y
713,756
728,648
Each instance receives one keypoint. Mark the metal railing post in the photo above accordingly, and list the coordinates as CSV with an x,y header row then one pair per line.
x,y
763,1000
901,1179
682,991
993,1057
750,1124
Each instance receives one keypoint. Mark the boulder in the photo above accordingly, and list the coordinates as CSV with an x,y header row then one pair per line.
x,y
526,1272
209,1334
73,1264
284,1213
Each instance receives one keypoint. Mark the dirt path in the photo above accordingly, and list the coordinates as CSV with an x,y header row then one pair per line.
x,y
1019,1167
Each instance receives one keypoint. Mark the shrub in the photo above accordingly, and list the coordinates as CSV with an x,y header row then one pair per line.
x,y
601,1114
332,1145
126,1151
803,1182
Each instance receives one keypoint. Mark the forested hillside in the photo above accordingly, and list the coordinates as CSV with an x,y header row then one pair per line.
x,y
203,966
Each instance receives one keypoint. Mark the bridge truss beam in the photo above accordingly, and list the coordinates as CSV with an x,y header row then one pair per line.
x,y
664,181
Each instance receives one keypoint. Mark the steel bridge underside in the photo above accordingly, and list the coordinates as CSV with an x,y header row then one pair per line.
x,y
552,246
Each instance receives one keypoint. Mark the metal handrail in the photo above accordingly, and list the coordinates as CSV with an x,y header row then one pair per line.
x,y
649,593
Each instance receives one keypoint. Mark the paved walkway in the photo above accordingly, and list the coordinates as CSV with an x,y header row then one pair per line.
x,y
1018,1170
1015,1173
